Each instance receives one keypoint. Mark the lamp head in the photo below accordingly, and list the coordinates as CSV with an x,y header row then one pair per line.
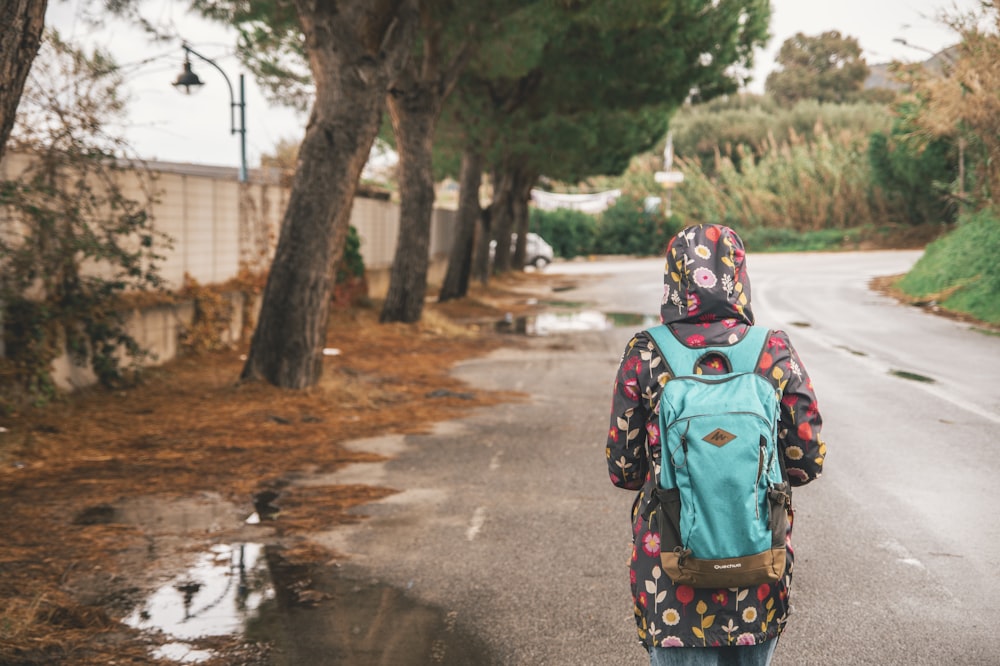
x,y
187,79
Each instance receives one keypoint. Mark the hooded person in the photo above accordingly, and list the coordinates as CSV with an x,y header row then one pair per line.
x,y
706,302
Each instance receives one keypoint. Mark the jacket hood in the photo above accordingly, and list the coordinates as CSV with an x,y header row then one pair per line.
x,y
705,279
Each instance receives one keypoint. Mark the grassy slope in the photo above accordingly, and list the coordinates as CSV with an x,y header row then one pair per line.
x,y
960,270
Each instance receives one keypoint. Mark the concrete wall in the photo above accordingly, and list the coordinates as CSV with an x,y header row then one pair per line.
x,y
218,225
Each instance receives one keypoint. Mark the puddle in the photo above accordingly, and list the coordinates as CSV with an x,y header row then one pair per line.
x,y
243,598
182,653
305,613
363,623
631,319
565,304
851,351
912,376
547,323
215,597
190,515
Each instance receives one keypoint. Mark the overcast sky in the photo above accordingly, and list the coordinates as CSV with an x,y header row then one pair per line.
x,y
169,126
875,24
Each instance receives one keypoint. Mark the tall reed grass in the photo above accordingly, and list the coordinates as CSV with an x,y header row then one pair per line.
x,y
793,184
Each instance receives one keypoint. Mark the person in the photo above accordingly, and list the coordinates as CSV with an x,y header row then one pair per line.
x,y
706,302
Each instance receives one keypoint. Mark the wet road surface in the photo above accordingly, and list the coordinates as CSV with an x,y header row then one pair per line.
x,y
507,519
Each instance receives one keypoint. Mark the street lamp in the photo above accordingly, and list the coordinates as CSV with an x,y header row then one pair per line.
x,y
187,82
900,40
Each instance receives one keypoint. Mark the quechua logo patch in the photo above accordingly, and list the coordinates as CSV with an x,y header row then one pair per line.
x,y
719,437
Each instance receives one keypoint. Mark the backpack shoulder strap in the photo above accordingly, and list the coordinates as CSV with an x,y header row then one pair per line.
x,y
683,360
745,354
668,346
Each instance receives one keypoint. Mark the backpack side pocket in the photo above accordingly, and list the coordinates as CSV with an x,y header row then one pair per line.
x,y
668,517
779,498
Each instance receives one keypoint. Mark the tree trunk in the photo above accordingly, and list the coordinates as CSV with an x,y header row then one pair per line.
x,y
21,25
456,280
502,219
414,109
481,263
415,105
354,53
510,213
522,216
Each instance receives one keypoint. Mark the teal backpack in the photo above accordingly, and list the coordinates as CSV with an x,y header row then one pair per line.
x,y
722,499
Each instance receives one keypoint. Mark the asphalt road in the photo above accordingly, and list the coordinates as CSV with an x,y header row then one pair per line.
x,y
508,523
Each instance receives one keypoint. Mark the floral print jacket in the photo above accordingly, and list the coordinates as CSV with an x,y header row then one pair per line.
x,y
706,302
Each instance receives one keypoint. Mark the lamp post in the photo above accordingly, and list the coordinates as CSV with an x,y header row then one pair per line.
x,y
187,80
900,40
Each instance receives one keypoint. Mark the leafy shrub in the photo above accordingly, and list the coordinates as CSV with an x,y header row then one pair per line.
x,y
789,240
351,286
915,171
628,227
352,264
569,232
75,244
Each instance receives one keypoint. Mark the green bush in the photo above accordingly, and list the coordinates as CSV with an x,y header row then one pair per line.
x,y
960,270
352,265
628,228
569,232
916,173
788,240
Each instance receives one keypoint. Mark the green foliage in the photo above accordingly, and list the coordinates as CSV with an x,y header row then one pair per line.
x,y
569,232
628,227
916,175
270,45
827,67
352,264
593,83
756,122
789,240
73,242
960,270
592,143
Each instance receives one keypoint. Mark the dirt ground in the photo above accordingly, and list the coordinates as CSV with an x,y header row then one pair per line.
x,y
101,489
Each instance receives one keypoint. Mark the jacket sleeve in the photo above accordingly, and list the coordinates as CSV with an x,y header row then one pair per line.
x,y
628,463
801,422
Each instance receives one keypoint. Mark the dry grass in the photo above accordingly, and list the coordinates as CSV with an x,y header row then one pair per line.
x,y
191,428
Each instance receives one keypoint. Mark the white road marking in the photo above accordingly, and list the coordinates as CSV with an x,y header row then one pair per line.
x,y
476,524
902,554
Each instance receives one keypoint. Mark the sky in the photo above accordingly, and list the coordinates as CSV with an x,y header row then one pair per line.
x,y
166,125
